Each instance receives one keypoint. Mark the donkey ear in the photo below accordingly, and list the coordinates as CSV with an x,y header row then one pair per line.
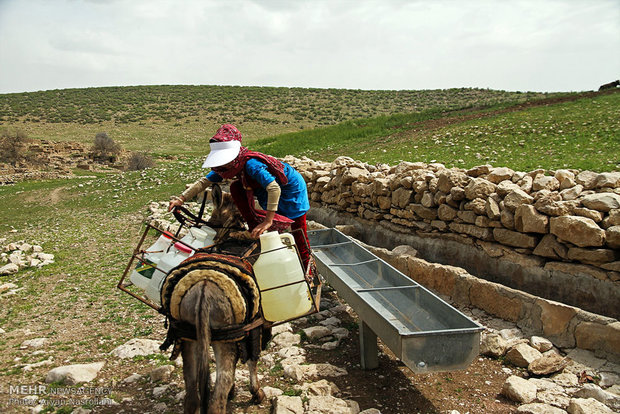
x,y
216,195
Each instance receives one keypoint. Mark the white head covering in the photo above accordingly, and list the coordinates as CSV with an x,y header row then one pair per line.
x,y
222,153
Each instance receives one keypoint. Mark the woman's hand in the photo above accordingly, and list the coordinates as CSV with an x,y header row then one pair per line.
x,y
176,202
264,226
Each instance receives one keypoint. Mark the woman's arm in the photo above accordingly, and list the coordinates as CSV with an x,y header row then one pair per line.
x,y
191,192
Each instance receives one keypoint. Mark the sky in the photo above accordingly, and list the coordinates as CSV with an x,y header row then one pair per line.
x,y
514,45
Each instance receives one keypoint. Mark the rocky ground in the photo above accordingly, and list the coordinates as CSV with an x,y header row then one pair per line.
x,y
312,366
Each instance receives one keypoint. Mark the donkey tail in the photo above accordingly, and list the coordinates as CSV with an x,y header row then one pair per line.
x,y
203,335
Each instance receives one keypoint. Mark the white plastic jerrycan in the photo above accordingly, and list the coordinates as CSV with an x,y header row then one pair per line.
x,y
279,265
199,237
143,273
169,260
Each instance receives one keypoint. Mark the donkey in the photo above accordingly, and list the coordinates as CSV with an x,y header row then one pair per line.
x,y
207,307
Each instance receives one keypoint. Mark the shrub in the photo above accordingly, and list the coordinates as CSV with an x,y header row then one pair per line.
x,y
139,161
104,148
12,146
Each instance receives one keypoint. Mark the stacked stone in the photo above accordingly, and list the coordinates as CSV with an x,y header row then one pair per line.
x,y
563,215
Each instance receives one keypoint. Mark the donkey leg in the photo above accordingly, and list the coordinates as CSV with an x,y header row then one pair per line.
x,y
257,392
190,374
225,360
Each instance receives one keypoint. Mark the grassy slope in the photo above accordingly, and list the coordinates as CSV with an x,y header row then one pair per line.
x,y
91,223
581,134
175,119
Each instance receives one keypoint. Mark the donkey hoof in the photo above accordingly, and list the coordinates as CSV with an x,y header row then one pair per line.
x,y
258,397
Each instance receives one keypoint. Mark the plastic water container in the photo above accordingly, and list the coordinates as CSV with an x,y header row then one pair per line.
x,y
280,267
168,261
143,273
199,237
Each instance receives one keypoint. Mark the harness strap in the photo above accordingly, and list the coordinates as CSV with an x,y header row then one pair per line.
x,y
179,331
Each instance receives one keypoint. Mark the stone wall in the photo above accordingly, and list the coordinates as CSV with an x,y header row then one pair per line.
x,y
49,159
554,234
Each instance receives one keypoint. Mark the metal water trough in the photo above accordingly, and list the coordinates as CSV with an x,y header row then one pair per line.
x,y
425,332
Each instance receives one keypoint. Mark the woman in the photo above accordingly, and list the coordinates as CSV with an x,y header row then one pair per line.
x,y
281,191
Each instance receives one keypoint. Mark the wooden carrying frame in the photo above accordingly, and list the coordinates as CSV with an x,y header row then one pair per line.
x,y
184,217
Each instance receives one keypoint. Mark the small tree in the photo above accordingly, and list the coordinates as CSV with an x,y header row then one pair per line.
x,y
12,146
139,161
104,148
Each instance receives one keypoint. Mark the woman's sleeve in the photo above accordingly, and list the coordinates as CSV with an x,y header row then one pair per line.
x,y
196,188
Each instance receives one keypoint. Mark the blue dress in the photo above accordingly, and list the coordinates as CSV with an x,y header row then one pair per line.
x,y
293,196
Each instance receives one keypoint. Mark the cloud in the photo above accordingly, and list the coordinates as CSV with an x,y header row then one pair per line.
x,y
388,44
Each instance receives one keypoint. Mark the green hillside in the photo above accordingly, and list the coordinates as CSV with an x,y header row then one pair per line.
x,y
175,119
579,133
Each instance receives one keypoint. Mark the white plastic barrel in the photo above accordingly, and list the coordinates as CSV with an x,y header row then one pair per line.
x,y
278,265
143,272
169,260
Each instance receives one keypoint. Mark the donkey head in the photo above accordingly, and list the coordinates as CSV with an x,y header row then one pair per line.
x,y
225,216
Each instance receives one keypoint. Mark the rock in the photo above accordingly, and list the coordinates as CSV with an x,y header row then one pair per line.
x,y
74,374
599,394
529,220
159,391
612,236
34,343
539,408
401,197
271,393
322,387
446,213
284,404
601,201
587,406
515,198
522,355
571,193
544,182
547,364
540,344
479,188
591,255
479,170
9,269
513,238
136,347
493,345
298,372
278,329
161,373
492,209
316,332
499,174
373,411
566,379
607,180
328,370
132,378
587,179
291,351
551,248
327,404
286,339
519,390
591,335
580,231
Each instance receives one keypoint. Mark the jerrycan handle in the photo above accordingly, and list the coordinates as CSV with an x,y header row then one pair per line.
x,y
288,240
